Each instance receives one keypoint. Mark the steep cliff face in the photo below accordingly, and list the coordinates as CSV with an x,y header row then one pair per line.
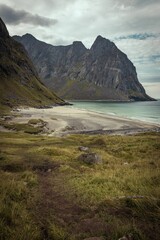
x,y
106,66
102,72
3,30
19,82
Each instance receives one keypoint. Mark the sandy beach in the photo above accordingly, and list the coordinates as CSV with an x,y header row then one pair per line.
x,y
64,120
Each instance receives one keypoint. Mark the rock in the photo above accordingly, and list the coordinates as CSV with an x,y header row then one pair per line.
x,y
126,237
3,29
90,158
125,163
101,72
83,149
123,238
8,118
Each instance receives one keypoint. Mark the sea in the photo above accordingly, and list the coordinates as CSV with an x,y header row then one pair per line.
x,y
148,111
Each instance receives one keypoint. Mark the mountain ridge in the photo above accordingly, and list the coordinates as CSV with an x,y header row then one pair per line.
x,y
75,72
19,81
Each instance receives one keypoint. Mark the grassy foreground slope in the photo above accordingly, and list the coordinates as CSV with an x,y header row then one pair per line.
x,y
46,192
19,82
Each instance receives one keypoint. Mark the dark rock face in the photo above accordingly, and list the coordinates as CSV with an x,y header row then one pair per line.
x,y
110,68
3,29
19,81
102,72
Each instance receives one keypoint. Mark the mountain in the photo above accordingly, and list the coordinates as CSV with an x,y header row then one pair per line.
x,y
19,81
101,72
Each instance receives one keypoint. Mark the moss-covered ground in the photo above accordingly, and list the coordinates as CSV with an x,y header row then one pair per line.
x,y
47,193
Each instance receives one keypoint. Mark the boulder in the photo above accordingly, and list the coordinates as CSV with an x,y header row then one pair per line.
x,y
90,158
127,237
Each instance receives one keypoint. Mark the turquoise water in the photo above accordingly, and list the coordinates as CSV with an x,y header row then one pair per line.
x,y
144,111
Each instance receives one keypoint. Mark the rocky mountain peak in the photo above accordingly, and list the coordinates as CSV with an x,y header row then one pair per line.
x,y
75,72
3,29
78,47
100,38
102,41
78,44
28,36
102,46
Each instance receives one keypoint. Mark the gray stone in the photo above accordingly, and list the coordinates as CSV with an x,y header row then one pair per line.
x,y
90,158
83,149
127,237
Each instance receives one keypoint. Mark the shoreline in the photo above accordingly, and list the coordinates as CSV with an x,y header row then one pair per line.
x,y
64,120
113,109
112,114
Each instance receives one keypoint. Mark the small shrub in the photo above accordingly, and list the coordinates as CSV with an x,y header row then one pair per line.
x,y
33,130
35,121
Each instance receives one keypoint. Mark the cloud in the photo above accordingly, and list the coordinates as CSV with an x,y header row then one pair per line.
x,y
136,3
138,36
145,55
150,79
15,17
152,89
155,58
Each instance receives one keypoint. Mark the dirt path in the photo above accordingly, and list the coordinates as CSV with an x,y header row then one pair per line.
x,y
54,207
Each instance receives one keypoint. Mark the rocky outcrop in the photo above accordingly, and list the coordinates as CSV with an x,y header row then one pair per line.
x,y
3,30
19,81
102,72
90,158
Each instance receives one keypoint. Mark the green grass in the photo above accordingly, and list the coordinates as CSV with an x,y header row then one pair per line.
x,y
19,83
47,193
34,126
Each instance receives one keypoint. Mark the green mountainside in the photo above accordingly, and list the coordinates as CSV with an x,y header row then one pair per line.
x,y
19,82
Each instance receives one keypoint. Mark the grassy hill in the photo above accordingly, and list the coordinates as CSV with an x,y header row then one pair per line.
x,y
19,82
46,192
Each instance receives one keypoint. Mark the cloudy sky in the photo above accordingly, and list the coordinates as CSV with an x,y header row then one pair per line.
x,y
134,26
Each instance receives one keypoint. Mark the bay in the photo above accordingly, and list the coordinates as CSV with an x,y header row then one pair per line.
x,y
148,111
